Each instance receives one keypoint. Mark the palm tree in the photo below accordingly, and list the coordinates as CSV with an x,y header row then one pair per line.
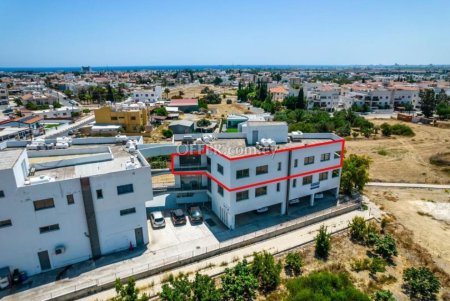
x,y
167,91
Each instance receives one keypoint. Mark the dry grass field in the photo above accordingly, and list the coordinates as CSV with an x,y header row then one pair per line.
x,y
405,159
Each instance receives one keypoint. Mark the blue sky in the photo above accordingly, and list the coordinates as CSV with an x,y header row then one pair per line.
x,y
207,32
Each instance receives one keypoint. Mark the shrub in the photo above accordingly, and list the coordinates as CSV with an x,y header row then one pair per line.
x,y
294,264
421,283
358,229
386,247
323,243
239,283
386,129
383,295
203,123
323,285
266,271
167,133
402,130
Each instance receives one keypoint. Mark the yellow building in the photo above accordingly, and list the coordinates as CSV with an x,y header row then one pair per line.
x,y
132,118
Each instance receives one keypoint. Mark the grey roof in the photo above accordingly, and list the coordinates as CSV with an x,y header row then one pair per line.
x,y
9,157
187,123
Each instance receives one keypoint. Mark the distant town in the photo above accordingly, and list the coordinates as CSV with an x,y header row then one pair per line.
x,y
114,175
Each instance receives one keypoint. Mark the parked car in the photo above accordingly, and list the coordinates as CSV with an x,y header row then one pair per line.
x,y
157,220
195,215
294,201
262,210
178,217
318,196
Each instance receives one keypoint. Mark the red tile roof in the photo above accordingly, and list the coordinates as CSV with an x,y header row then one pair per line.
x,y
183,102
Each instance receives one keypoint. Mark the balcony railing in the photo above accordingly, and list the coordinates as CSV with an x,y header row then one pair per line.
x,y
190,167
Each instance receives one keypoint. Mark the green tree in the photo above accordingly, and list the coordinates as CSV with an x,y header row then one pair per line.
x,y
128,292
421,283
167,91
167,133
323,243
358,229
427,102
203,122
442,97
266,270
238,283
443,110
294,264
180,93
323,286
383,295
217,81
57,105
161,111
355,173
204,289
386,129
68,93
301,103
178,289
386,247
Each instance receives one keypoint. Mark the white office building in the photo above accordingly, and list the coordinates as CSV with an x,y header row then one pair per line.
x,y
66,205
148,95
261,166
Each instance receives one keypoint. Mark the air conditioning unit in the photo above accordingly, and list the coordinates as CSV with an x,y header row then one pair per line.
x,y
60,250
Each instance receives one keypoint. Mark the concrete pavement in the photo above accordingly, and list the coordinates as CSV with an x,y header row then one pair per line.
x,y
103,271
215,266
409,185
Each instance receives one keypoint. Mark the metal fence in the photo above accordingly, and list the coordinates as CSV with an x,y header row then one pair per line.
x,y
170,260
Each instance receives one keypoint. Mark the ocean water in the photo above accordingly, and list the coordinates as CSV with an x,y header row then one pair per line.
x,y
212,67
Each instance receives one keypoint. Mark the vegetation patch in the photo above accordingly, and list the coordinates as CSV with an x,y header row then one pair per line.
x,y
440,159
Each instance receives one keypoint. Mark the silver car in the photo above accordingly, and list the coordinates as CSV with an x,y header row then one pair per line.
x,y
157,220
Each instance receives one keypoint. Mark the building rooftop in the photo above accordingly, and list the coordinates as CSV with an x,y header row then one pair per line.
x,y
102,160
9,158
238,147
183,102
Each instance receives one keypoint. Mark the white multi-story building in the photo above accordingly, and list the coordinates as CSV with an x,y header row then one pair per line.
x,y
4,98
261,166
62,206
149,95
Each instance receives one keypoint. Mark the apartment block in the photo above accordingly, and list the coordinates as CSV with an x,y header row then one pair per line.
x,y
63,206
261,166
133,118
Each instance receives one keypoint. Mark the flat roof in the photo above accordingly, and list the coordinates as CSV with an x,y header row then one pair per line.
x,y
238,147
120,156
9,157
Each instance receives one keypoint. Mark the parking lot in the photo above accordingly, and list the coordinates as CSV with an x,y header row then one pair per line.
x,y
173,240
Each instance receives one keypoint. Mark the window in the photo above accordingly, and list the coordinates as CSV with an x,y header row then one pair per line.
x,y
294,183
2,194
295,163
260,170
241,195
113,118
260,191
337,154
220,169
335,173
325,157
278,186
323,176
309,160
123,189
5,223
220,190
99,193
43,204
243,173
49,228
279,166
133,117
307,180
185,195
127,211
70,199
190,160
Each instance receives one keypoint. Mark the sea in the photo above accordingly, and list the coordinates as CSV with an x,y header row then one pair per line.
x,y
211,67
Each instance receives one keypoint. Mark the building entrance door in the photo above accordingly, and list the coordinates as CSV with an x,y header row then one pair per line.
x,y
44,260
139,237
